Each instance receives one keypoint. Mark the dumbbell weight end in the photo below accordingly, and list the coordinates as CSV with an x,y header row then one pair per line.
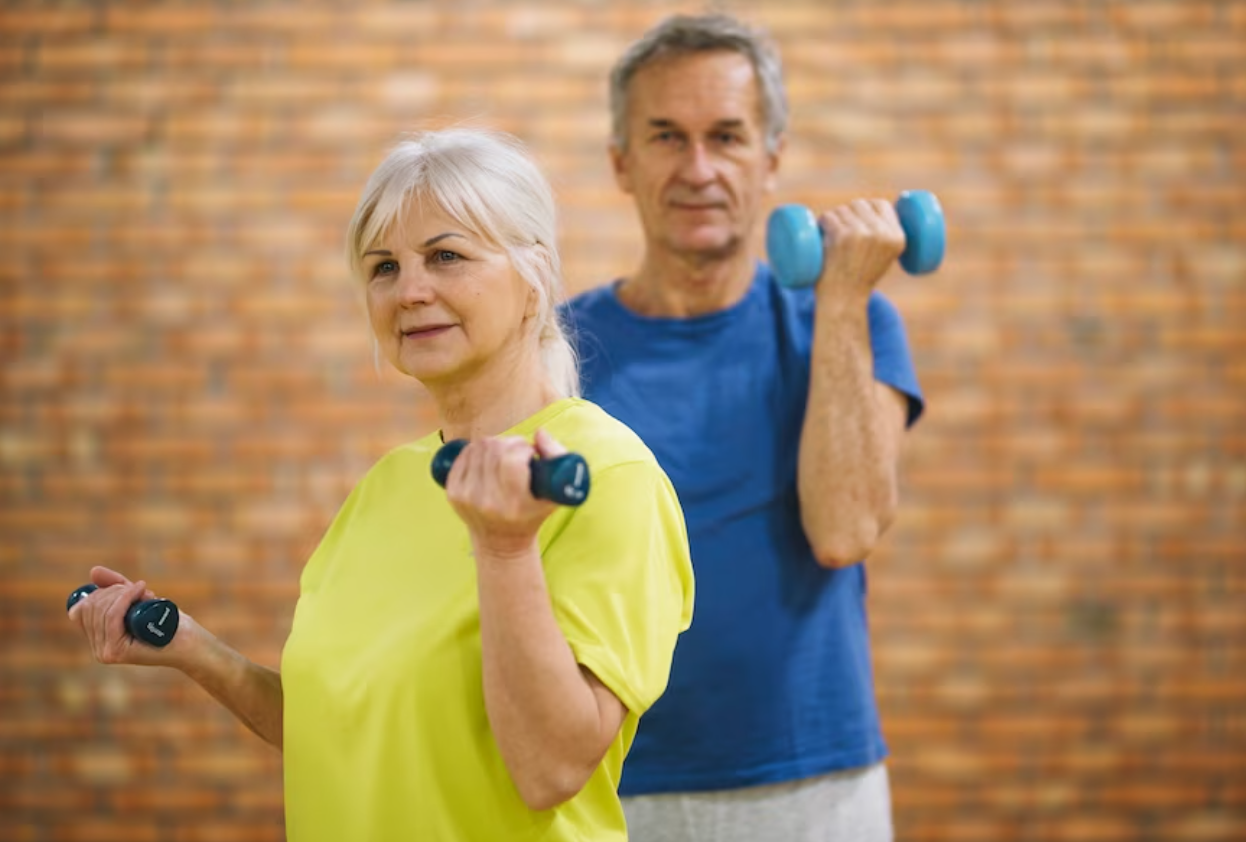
x,y
794,240
153,621
561,479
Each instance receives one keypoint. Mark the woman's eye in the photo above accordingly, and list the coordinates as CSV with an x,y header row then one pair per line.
x,y
385,267
445,256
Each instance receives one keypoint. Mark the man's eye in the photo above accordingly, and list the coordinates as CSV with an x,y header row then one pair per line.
x,y
728,138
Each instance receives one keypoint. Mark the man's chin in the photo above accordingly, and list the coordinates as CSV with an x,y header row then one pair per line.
x,y
706,249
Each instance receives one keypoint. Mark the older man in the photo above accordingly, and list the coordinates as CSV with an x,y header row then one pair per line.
x,y
779,415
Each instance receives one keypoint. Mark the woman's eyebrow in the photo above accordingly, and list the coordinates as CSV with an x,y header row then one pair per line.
x,y
429,242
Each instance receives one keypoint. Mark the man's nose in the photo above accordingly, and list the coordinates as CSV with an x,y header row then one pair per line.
x,y
697,167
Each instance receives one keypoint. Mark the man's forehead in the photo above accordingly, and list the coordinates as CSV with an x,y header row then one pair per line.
x,y
707,87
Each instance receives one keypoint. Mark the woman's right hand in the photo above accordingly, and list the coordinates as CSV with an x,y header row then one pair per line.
x,y
101,616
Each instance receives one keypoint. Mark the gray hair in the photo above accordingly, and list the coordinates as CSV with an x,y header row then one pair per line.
x,y
686,34
487,183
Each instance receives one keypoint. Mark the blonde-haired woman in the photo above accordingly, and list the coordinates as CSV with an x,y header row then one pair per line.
x,y
467,663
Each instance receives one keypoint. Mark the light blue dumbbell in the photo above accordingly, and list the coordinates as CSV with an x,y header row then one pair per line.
x,y
794,240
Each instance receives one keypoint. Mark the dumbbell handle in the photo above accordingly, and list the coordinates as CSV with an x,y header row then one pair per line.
x,y
794,240
560,479
153,621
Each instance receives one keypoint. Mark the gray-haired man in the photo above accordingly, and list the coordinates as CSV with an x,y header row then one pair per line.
x,y
779,415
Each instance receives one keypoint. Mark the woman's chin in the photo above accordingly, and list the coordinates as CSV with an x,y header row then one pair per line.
x,y
430,372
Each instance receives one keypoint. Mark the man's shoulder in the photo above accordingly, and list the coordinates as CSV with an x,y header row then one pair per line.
x,y
590,302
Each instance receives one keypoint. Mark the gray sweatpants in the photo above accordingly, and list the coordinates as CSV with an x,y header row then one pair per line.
x,y
852,806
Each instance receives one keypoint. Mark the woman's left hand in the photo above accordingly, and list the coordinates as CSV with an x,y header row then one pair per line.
x,y
490,489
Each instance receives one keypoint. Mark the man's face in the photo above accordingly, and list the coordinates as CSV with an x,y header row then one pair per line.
x,y
696,159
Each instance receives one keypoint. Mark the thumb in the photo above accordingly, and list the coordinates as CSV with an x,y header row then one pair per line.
x,y
102,577
546,445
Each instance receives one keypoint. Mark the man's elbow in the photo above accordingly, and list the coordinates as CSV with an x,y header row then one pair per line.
x,y
850,544
834,556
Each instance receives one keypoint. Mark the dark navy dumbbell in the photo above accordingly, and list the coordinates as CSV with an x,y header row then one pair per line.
x,y
153,621
794,239
560,479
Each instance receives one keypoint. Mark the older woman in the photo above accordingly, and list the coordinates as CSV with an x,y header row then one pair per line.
x,y
467,663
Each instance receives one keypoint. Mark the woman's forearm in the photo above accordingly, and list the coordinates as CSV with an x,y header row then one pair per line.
x,y
551,723
249,691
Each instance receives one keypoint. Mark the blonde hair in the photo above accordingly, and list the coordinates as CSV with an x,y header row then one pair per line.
x,y
487,183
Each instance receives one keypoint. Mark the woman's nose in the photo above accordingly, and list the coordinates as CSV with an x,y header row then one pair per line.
x,y
415,285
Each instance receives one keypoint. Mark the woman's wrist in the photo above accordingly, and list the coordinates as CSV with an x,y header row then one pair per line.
x,y
504,549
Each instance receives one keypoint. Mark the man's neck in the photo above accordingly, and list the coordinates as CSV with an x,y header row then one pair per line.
x,y
677,288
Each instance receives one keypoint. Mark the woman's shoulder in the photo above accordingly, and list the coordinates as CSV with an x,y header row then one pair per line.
x,y
603,440
401,462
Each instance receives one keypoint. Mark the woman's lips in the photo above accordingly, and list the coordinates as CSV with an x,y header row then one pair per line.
x,y
426,332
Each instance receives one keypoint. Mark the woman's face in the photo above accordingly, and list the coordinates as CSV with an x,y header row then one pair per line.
x,y
443,303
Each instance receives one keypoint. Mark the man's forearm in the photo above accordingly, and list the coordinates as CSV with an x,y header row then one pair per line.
x,y
848,445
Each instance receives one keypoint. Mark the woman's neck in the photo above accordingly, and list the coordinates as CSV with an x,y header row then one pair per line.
x,y
494,399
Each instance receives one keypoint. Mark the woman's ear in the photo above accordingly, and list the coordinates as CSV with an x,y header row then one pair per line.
x,y
536,255
534,303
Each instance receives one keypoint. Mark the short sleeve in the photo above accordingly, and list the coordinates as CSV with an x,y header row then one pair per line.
x,y
619,573
893,364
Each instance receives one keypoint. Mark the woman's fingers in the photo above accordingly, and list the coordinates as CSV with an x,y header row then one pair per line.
x,y
104,577
547,446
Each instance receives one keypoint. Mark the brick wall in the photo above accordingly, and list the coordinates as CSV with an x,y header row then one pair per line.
x,y
188,386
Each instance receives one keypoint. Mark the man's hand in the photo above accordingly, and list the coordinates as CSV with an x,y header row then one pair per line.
x,y
863,239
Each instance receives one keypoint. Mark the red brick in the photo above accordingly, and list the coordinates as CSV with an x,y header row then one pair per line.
x,y
960,828
165,799
1029,18
161,21
1164,17
1090,828
240,830
1206,825
91,128
908,14
317,57
1168,797
225,54
43,21
88,829
95,55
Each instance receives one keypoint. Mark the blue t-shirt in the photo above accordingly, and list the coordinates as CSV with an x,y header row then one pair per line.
x,y
773,680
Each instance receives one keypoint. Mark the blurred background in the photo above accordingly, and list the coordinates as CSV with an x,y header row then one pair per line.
x,y
188,390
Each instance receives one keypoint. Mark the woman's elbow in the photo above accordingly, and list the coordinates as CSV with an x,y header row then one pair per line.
x,y
545,789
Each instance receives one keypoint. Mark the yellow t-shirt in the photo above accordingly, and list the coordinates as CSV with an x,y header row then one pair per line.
x,y
385,732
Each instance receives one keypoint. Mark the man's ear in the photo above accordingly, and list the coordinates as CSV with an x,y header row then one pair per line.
x,y
772,170
621,165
